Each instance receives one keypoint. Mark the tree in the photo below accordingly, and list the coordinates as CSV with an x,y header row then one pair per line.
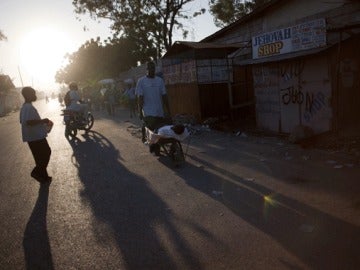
x,y
94,61
226,12
2,36
150,23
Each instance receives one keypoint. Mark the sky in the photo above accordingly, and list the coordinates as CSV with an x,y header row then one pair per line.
x,y
40,33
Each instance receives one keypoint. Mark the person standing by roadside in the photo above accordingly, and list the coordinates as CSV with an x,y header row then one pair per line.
x,y
34,132
109,97
130,94
152,99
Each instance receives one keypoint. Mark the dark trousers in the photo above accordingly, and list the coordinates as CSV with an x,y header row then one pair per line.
x,y
153,123
41,152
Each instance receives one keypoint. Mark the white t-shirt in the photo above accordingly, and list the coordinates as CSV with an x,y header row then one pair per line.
x,y
152,90
167,131
74,99
31,133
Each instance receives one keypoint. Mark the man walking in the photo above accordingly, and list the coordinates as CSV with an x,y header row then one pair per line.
x,y
152,98
153,101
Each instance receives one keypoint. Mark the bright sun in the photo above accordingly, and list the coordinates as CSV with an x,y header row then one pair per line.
x,y
42,52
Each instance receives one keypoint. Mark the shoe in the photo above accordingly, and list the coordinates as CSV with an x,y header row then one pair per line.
x,y
41,178
36,176
151,148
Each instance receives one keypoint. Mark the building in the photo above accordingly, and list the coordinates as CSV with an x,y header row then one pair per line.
x,y
197,77
296,64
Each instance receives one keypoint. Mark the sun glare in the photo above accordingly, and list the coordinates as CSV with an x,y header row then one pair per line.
x,y
42,53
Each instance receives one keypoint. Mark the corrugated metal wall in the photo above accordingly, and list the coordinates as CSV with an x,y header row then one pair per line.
x,y
295,92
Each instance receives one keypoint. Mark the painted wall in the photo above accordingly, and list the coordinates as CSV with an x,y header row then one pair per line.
x,y
266,88
293,92
184,99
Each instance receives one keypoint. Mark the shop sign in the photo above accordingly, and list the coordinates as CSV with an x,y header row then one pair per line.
x,y
303,36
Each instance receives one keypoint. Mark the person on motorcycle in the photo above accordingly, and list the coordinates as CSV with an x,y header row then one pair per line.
x,y
73,101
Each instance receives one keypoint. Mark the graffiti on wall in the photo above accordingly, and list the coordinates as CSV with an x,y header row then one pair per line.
x,y
299,88
291,70
314,104
293,93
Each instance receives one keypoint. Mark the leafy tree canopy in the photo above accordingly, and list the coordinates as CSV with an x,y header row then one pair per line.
x,y
150,23
6,83
94,61
226,12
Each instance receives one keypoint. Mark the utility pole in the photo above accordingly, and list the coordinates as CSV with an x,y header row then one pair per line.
x,y
22,84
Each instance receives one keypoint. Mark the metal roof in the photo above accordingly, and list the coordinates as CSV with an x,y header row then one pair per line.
x,y
181,46
257,12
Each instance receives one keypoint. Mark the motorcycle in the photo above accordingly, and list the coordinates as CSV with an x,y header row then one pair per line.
x,y
75,121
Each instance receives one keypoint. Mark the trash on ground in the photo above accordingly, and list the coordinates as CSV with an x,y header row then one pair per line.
x,y
217,193
306,157
262,159
331,162
249,179
306,228
338,166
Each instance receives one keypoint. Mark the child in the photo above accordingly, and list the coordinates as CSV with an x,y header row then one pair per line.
x,y
34,133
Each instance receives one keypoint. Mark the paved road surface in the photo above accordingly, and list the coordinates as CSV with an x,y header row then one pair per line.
x,y
238,203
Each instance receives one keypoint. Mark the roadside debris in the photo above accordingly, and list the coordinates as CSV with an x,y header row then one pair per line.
x,y
306,228
217,193
331,162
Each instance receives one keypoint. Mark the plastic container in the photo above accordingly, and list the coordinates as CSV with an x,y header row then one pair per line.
x,y
49,126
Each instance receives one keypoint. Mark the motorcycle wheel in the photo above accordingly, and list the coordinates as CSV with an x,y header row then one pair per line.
x,y
70,132
89,122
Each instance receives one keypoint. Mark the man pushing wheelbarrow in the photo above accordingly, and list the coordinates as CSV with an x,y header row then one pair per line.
x,y
153,107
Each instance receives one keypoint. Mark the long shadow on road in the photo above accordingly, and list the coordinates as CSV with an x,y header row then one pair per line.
x,y
36,240
124,201
318,239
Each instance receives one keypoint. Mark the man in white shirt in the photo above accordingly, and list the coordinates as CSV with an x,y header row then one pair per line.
x,y
152,98
34,132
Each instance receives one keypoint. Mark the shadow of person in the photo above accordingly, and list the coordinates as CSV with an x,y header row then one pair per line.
x,y
36,240
318,239
139,219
